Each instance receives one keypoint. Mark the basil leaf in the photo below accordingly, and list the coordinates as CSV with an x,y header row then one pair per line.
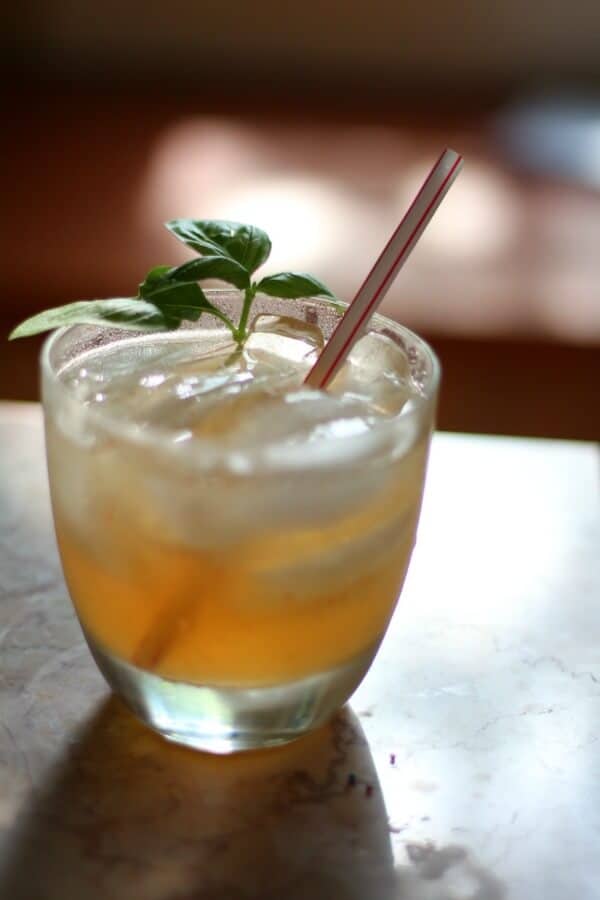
x,y
249,245
179,300
154,278
124,312
246,244
292,285
220,267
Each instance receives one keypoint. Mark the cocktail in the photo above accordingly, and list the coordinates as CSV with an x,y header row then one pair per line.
x,y
236,478
234,543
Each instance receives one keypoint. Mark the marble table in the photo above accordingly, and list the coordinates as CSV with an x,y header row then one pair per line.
x,y
473,743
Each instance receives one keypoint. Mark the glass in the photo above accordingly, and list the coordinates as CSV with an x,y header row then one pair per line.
x,y
233,597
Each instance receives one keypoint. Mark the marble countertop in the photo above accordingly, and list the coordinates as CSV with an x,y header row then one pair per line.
x,y
467,766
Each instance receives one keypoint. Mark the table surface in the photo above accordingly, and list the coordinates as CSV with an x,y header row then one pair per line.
x,y
474,739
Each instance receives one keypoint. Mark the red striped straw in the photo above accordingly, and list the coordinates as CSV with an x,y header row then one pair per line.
x,y
383,273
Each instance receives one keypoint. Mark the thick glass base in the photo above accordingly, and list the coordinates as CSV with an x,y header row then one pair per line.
x,y
231,719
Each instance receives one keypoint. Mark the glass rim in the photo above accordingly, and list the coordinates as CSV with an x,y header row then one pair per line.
x,y
213,454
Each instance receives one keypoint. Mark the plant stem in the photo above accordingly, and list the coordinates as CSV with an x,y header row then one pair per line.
x,y
240,334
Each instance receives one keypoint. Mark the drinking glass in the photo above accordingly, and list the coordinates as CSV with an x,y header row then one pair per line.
x,y
233,596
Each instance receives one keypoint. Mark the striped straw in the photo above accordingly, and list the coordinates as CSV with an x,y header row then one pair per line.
x,y
383,273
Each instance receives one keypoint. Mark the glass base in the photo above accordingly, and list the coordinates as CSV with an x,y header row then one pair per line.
x,y
231,719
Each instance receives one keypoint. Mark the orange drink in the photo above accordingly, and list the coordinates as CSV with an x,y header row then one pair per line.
x,y
235,543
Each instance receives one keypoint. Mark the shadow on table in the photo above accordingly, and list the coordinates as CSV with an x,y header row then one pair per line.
x,y
126,814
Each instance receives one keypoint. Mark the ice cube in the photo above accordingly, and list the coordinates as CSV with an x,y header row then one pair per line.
x,y
136,365
377,371
177,397
286,337
264,417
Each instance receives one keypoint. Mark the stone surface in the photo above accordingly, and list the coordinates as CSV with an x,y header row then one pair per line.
x,y
466,769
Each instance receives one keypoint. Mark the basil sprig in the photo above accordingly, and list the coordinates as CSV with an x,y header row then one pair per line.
x,y
168,295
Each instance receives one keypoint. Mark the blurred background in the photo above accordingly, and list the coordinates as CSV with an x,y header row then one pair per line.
x,y
317,122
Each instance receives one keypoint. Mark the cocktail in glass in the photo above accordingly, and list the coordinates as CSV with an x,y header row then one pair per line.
x,y
234,544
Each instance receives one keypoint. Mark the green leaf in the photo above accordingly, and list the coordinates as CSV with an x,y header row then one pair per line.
x,y
245,244
124,312
179,300
292,285
153,279
220,267
249,245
